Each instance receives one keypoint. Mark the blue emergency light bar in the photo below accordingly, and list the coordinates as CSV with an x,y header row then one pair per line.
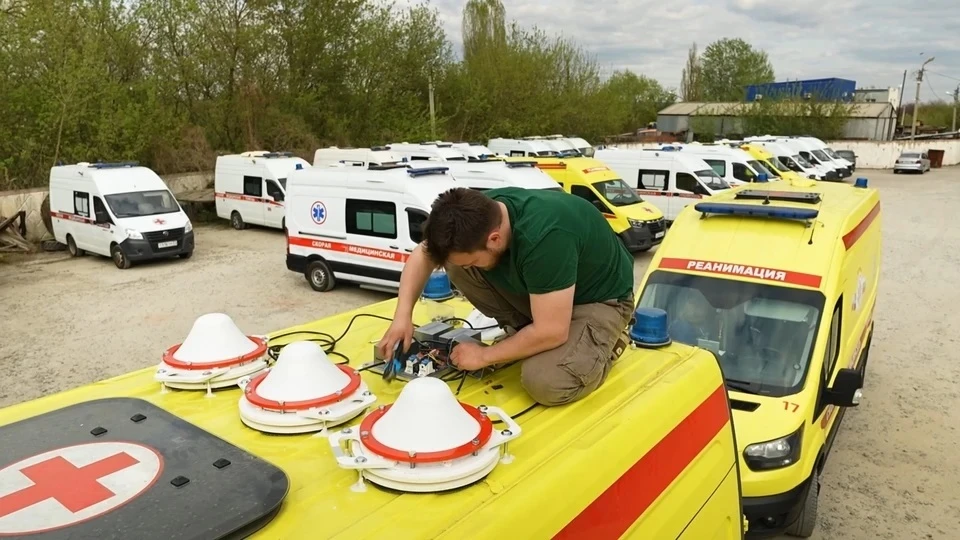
x,y
515,164
427,171
782,212
115,165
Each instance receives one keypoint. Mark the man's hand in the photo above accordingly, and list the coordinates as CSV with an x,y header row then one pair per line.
x,y
401,329
468,356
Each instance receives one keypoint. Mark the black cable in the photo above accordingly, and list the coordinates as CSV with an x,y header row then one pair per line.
x,y
464,321
327,342
521,413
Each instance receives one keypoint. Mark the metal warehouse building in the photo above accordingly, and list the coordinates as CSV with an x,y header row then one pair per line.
x,y
866,121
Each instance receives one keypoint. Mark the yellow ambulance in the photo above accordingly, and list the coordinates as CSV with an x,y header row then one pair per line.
x,y
638,223
770,161
779,281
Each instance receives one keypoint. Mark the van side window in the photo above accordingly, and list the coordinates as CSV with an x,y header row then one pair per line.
x,y
652,179
719,166
274,191
81,203
833,342
586,193
687,182
517,153
100,211
415,220
252,186
419,158
372,218
740,172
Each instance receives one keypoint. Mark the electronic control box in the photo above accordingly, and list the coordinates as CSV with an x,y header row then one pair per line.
x,y
429,352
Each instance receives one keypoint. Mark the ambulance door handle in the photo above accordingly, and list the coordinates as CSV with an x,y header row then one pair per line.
x,y
394,247
408,250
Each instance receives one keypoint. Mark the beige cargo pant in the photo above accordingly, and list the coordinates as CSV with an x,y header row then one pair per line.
x,y
572,370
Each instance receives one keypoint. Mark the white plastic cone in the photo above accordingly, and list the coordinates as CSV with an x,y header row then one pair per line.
x,y
214,337
425,418
302,372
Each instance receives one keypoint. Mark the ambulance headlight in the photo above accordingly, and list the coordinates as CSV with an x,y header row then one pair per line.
x,y
636,222
188,227
774,454
134,235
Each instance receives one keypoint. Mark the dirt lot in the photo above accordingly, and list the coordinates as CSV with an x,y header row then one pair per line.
x,y
891,474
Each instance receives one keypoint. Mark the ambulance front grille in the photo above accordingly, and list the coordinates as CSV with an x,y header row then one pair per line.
x,y
163,236
656,226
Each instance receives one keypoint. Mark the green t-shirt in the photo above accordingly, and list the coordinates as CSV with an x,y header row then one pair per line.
x,y
560,240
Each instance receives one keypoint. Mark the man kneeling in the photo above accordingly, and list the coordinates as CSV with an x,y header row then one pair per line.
x,y
545,265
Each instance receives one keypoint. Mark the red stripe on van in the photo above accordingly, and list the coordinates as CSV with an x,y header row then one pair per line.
x,y
744,270
72,217
623,503
851,237
247,198
353,249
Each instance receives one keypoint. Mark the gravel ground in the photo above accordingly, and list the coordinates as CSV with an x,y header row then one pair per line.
x,y
890,474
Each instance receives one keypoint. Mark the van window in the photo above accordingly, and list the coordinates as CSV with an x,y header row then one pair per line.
x,y
419,158
252,186
517,153
415,219
652,179
274,191
833,342
81,203
740,172
372,218
100,211
687,182
718,165
586,193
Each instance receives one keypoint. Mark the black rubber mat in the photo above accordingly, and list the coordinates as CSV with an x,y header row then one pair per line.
x,y
124,468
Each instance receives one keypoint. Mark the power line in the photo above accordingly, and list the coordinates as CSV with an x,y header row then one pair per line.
x,y
944,76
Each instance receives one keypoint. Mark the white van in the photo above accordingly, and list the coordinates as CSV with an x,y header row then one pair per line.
x,y
827,169
355,157
520,148
118,210
790,158
429,151
474,151
358,225
586,149
250,188
815,143
670,180
563,147
484,174
734,165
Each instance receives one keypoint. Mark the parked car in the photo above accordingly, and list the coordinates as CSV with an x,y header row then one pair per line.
x,y
850,156
912,161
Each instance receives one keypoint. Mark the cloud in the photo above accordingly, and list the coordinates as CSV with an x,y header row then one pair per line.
x,y
869,41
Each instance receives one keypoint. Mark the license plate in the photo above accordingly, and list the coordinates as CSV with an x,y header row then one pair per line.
x,y
658,235
172,243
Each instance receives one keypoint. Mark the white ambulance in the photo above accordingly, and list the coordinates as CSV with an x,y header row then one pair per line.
x,y
428,151
492,173
355,157
520,148
118,210
734,165
586,149
359,225
474,151
670,180
250,188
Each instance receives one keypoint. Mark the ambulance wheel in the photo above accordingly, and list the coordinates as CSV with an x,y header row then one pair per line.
x,y
283,224
320,276
237,221
119,257
807,520
72,247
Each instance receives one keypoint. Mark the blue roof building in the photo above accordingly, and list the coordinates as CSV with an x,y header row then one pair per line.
x,y
813,89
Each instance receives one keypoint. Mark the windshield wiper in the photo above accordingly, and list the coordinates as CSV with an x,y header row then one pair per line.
x,y
742,386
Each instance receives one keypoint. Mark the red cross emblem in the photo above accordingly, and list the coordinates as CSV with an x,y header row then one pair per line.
x,y
71,485
159,221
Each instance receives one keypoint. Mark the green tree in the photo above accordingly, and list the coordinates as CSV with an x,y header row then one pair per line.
x,y
691,83
728,66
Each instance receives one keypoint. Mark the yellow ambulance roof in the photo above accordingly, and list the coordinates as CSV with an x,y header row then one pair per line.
x,y
781,247
589,170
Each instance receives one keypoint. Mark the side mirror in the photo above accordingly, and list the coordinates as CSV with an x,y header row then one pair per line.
x,y
846,390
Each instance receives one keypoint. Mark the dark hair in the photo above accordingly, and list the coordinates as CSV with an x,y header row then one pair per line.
x,y
460,221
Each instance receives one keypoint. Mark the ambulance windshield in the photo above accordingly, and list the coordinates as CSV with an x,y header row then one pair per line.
x,y
711,179
617,192
762,334
142,203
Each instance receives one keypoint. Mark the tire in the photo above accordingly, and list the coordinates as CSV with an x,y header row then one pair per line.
x,y
73,249
319,276
236,220
283,225
186,255
806,522
119,258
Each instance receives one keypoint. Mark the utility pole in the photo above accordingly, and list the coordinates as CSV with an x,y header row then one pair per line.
x,y
916,101
433,115
956,99
903,90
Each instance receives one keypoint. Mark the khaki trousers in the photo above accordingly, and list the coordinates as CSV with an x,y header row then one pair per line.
x,y
572,370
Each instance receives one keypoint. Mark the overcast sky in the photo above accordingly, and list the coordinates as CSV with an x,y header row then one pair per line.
x,y
871,42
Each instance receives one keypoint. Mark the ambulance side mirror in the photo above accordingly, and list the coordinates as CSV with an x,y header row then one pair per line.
x,y
846,389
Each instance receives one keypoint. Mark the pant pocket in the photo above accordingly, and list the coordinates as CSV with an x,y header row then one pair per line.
x,y
588,360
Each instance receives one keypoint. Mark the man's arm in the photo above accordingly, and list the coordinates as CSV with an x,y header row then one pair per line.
x,y
550,273
552,313
413,278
